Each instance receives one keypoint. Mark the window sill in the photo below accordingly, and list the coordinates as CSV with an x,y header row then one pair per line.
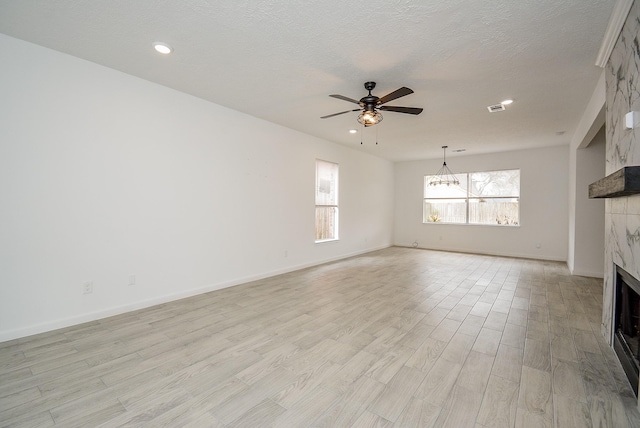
x,y
322,241
471,224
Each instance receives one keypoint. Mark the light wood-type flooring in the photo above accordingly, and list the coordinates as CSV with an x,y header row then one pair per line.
x,y
399,337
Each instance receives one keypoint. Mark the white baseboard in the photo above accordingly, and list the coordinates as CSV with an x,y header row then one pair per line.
x,y
590,274
489,253
109,312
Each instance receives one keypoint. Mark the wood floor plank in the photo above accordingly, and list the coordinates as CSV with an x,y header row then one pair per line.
x,y
262,414
537,354
567,380
570,413
562,347
238,404
513,335
418,414
371,420
304,384
144,413
508,363
269,362
17,398
529,419
305,411
498,409
495,320
217,393
397,393
535,392
30,420
475,372
458,348
83,406
346,410
606,409
487,341
445,330
389,363
351,371
518,317
455,415
417,335
95,417
207,420
438,383
471,325
427,354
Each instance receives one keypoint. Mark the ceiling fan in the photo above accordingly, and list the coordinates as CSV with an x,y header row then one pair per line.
x,y
371,104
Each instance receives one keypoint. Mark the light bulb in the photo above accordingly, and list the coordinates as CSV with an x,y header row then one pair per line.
x,y
162,48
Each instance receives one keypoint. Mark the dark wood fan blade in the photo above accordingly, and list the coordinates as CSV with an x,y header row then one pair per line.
x,y
337,114
395,94
342,97
408,110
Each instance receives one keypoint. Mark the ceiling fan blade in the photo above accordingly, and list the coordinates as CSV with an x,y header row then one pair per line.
x,y
337,114
408,110
342,97
395,94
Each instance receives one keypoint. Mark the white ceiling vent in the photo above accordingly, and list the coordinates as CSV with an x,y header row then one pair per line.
x,y
496,107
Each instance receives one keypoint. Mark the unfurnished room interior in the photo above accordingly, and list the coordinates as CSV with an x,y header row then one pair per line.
x,y
278,213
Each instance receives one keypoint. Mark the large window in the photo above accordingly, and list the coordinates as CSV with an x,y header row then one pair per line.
x,y
326,201
490,197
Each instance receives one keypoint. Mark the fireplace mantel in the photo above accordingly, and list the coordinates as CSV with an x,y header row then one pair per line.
x,y
623,182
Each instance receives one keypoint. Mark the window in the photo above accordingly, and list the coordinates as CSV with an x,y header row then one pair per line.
x,y
326,201
490,197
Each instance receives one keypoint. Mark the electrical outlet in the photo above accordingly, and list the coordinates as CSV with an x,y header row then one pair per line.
x,y
132,279
538,245
87,287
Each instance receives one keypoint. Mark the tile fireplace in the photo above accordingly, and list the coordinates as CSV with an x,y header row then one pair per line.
x,y
627,325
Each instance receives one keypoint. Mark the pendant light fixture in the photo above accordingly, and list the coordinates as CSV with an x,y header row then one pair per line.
x,y
444,174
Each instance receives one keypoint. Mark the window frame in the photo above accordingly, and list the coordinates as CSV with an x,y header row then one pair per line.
x,y
469,197
335,206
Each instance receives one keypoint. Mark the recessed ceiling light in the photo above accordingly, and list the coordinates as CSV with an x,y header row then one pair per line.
x,y
459,150
353,131
506,102
163,48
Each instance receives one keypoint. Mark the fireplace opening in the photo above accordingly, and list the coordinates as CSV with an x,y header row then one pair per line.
x,y
627,325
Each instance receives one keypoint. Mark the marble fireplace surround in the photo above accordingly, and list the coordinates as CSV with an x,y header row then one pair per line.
x,y
622,214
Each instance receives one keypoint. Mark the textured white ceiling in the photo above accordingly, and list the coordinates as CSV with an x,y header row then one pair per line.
x,y
280,59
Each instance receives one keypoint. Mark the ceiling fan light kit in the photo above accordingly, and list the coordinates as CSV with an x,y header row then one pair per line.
x,y
370,105
369,118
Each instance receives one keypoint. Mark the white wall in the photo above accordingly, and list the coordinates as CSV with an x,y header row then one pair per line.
x,y
588,219
586,165
571,249
544,183
103,175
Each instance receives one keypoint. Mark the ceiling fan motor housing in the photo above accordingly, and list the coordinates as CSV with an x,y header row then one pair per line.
x,y
370,101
